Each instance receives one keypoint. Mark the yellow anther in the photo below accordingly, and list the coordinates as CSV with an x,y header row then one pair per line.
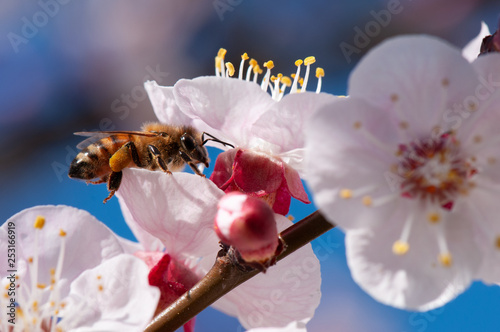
x,y
30,259
273,78
99,277
217,62
309,60
280,75
345,193
244,56
320,72
52,271
357,124
35,305
290,217
39,222
400,247
230,68
257,69
62,233
101,288
445,259
434,217
222,53
299,62
497,242
301,81
253,62
52,304
41,286
269,64
286,80
367,200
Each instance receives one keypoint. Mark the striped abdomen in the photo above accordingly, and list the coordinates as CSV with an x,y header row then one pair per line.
x,y
93,161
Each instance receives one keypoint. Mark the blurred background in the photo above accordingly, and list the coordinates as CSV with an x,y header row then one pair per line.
x,y
68,66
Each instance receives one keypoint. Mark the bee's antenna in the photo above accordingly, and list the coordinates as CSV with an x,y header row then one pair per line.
x,y
214,139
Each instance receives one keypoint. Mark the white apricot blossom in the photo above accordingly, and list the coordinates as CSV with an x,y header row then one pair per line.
x,y
265,128
407,165
70,273
179,210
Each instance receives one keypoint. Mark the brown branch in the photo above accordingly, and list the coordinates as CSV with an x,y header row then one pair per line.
x,y
225,276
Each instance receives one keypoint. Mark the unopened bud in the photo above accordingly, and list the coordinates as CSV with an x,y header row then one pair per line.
x,y
247,223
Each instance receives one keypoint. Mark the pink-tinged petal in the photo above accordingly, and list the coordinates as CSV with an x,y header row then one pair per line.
x,y
484,121
257,173
130,247
247,224
282,200
225,107
148,241
81,229
114,296
164,104
294,184
173,279
472,49
417,79
283,124
178,208
482,205
416,280
223,169
287,292
351,160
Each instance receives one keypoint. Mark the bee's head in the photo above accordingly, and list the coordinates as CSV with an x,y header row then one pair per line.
x,y
194,149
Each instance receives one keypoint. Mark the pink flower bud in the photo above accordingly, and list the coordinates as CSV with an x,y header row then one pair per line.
x,y
247,224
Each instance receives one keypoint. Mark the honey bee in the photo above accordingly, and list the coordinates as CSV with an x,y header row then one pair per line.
x,y
157,146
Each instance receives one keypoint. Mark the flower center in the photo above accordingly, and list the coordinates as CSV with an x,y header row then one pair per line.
x,y
433,170
276,84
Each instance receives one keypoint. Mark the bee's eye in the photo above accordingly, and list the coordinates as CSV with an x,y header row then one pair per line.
x,y
187,142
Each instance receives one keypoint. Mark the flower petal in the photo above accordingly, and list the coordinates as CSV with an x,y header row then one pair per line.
x,y
114,296
224,107
287,292
179,209
418,79
415,280
472,49
164,105
81,228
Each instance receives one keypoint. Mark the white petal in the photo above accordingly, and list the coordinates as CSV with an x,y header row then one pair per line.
x,y
81,229
471,50
413,69
114,296
283,124
178,208
341,157
287,292
163,102
223,107
148,241
415,280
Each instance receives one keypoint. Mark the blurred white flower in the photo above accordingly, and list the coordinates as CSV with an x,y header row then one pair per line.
x,y
179,210
407,165
71,274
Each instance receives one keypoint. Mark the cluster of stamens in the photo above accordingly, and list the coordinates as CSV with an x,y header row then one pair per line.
x,y
276,84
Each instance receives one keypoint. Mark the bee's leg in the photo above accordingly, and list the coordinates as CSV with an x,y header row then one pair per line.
x,y
188,161
156,155
122,157
115,178
98,181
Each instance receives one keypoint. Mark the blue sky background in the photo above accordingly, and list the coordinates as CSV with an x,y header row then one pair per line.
x,y
76,65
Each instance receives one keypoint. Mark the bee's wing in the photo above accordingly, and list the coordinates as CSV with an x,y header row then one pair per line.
x,y
94,136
